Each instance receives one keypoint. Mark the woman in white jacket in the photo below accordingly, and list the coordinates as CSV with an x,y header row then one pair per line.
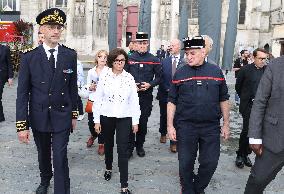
x,y
92,81
116,110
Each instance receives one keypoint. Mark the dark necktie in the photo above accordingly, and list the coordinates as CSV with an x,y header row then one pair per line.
x,y
52,59
174,65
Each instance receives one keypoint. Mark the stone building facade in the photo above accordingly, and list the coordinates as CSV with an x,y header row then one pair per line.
x,y
261,22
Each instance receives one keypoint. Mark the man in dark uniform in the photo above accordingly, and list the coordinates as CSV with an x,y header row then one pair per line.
x,y
146,70
246,86
197,98
6,74
46,100
161,53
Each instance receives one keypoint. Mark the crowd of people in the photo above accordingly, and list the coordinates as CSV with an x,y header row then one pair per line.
x,y
193,98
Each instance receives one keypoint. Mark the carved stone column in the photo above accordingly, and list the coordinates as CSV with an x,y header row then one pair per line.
x,y
154,25
69,21
174,19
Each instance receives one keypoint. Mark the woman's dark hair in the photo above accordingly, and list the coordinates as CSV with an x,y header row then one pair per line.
x,y
113,54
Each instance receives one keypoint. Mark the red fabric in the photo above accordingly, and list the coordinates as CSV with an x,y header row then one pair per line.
x,y
198,78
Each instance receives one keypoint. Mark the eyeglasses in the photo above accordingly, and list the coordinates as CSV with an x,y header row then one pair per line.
x,y
119,60
53,27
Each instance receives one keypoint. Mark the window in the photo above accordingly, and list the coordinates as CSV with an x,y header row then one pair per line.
x,y
9,5
242,13
56,3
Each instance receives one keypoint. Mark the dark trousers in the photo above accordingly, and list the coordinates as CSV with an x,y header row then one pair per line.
x,y
264,171
191,138
244,148
80,105
163,119
92,129
122,127
60,161
2,83
145,102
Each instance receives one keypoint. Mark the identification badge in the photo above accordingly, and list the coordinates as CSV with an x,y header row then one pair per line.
x,y
141,65
199,82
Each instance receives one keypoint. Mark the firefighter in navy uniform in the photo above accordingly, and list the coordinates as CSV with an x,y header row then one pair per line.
x,y
46,100
197,98
146,70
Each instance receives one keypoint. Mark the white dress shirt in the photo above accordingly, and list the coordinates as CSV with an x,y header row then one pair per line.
x,y
175,57
116,96
55,53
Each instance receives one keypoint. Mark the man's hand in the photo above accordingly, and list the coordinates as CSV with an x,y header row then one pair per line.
x,y
225,132
24,136
10,81
145,86
134,128
74,123
98,128
172,133
256,148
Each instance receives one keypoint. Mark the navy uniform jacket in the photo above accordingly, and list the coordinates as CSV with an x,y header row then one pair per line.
x,y
166,78
6,69
51,98
197,93
144,67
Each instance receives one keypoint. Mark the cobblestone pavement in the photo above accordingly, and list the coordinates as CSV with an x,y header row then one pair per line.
x,y
157,173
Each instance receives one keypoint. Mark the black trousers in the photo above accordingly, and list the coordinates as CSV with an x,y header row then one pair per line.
x,y
145,102
80,105
191,138
2,83
92,129
244,148
122,128
264,170
59,142
163,119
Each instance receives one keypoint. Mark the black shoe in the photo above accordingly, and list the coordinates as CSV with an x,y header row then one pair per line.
x,y
130,155
140,152
247,161
2,119
42,189
107,175
125,192
239,162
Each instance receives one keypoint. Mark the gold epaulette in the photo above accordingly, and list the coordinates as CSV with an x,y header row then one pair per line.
x,y
21,126
75,114
28,49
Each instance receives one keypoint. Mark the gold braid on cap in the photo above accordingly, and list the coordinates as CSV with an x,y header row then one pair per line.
x,y
21,126
55,17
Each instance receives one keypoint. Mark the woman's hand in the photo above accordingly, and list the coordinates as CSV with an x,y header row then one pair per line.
x,y
134,128
98,128
93,87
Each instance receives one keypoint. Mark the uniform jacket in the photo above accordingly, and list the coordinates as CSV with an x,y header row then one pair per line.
x,y
46,100
267,115
197,93
144,67
246,85
166,78
6,69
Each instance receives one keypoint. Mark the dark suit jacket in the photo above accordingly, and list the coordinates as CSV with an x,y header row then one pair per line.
x,y
51,98
6,69
166,78
246,85
267,115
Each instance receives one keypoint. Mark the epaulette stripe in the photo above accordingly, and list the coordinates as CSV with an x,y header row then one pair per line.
x,y
143,62
198,78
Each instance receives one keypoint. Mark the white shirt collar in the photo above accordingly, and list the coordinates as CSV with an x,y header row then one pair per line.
x,y
47,48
